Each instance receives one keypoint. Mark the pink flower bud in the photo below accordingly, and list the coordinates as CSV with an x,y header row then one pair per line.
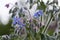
x,y
7,5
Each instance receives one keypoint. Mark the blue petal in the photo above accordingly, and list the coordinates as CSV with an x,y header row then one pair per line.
x,y
14,22
19,23
23,24
39,13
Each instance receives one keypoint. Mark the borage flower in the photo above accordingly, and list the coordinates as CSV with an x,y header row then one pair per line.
x,y
38,13
16,20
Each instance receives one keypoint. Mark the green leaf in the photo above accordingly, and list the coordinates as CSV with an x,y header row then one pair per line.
x,y
42,6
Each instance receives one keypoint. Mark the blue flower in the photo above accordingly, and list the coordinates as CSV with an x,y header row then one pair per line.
x,y
16,20
39,13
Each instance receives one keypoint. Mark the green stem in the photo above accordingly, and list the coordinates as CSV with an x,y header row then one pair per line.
x,y
47,24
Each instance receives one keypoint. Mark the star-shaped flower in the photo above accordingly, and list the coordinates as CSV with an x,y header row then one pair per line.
x,y
16,20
